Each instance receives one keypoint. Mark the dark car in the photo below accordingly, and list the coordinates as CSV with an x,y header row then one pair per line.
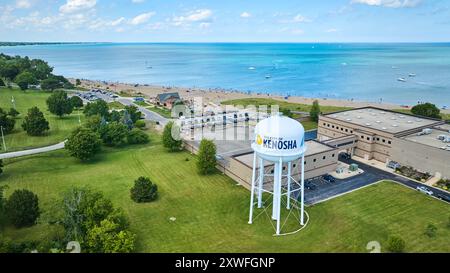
x,y
443,197
329,178
310,185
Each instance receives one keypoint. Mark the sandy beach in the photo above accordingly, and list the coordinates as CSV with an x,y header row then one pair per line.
x,y
216,96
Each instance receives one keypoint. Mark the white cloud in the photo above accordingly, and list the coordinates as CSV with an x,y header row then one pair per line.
x,y
200,16
23,4
389,3
137,1
300,19
142,18
77,5
245,15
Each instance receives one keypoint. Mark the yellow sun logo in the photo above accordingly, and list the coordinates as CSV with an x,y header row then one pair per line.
x,y
259,140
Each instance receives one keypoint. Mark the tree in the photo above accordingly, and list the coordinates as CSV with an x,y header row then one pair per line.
x,y
396,244
9,71
126,120
35,123
144,190
99,107
23,208
315,111
206,163
76,102
108,238
134,112
94,123
287,112
140,124
59,104
2,83
13,113
114,134
171,143
6,122
136,136
41,69
24,79
1,171
77,82
426,110
83,144
50,84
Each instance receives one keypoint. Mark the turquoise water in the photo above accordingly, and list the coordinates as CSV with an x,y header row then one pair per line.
x,y
367,72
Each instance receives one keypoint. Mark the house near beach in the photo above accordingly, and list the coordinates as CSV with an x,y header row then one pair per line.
x,y
168,100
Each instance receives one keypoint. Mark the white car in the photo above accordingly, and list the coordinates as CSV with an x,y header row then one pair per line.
x,y
425,190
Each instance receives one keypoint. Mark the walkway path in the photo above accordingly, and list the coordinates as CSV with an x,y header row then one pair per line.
x,y
33,151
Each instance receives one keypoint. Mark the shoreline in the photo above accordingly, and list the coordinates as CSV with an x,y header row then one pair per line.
x,y
218,95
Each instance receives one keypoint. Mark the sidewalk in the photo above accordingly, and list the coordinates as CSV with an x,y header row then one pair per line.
x,y
33,151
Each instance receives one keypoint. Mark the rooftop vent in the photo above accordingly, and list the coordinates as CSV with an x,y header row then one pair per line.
x,y
394,125
349,119
359,117
378,121
393,118
368,124
382,112
384,128
410,121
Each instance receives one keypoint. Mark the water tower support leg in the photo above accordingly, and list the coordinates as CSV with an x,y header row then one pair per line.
x,y
276,174
261,182
280,166
250,218
302,203
289,187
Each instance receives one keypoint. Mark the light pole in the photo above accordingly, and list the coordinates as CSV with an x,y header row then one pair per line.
x,y
13,101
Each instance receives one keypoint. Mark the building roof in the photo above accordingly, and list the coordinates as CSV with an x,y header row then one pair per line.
x,y
383,120
430,139
165,96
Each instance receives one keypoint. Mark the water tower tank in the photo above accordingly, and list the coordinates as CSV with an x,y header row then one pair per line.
x,y
279,137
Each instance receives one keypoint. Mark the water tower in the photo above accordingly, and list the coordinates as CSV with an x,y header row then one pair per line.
x,y
278,140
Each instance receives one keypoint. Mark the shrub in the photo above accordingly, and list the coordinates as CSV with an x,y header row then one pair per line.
x,y
171,143
144,190
396,244
100,107
13,113
24,79
35,123
136,136
83,144
22,208
140,124
426,110
1,171
76,102
108,238
114,134
431,230
206,157
2,83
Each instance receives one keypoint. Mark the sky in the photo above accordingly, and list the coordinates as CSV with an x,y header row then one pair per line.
x,y
225,20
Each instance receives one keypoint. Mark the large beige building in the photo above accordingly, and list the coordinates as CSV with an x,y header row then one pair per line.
x,y
373,133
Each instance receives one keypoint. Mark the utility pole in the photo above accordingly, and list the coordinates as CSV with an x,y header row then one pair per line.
x,y
3,137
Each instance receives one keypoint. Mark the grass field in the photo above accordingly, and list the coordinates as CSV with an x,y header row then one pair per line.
x,y
115,105
211,211
162,111
60,128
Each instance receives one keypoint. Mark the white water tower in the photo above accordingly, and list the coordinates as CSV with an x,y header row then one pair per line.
x,y
279,140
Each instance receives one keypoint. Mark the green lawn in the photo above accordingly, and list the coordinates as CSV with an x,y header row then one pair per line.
x,y
115,105
162,111
211,211
283,104
60,128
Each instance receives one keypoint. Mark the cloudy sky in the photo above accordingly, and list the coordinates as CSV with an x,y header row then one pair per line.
x,y
225,20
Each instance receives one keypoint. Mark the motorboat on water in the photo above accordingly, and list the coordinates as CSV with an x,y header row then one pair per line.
x,y
401,79
411,75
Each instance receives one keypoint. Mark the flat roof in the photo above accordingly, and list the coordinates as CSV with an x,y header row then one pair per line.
x,y
430,139
382,120
313,147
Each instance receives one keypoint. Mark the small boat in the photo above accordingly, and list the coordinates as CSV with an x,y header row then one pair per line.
x,y
401,79
394,67
411,75
268,76
251,68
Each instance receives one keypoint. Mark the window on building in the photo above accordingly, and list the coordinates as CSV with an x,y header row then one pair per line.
x,y
389,142
332,126
384,140
324,157
368,138
346,130
332,155
314,160
294,165
362,137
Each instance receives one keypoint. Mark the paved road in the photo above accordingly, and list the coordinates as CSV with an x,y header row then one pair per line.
x,y
370,176
148,115
33,151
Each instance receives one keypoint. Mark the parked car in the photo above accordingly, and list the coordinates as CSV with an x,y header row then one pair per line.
x,y
310,185
443,197
329,178
425,190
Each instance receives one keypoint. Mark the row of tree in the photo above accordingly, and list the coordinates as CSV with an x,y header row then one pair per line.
x,y
25,72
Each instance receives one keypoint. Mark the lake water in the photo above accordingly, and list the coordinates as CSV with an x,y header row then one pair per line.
x,y
368,72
